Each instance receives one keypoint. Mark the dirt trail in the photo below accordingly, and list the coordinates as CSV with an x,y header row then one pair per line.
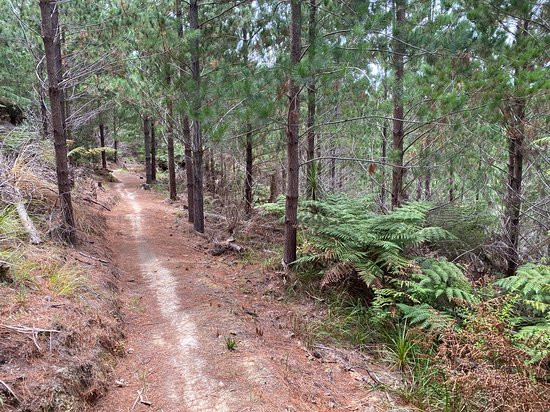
x,y
180,304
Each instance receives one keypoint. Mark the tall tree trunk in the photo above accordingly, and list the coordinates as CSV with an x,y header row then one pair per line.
x,y
212,170
170,150
291,209
43,110
515,131
451,184
514,117
102,144
383,188
383,168
115,141
312,170
398,112
248,172
59,62
198,221
60,144
273,187
333,170
189,169
428,176
153,153
147,145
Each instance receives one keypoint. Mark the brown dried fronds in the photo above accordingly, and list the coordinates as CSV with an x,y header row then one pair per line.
x,y
485,367
337,274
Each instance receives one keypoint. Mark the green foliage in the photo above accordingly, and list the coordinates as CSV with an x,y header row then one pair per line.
x,y
82,154
532,284
441,284
10,226
341,231
530,290
230,344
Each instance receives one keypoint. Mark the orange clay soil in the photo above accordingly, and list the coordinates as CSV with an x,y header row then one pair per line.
x,y
182,306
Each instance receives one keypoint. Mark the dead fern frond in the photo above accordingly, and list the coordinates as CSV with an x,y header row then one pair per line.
x,y
337,274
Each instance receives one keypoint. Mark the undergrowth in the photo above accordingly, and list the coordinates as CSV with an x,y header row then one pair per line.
x,y
459,345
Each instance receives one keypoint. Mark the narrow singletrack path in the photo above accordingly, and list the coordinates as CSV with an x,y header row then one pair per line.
x,y
180,304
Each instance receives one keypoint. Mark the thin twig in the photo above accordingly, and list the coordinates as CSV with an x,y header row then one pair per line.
x,y
10,390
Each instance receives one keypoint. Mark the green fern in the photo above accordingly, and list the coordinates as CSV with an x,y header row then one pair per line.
x,y
532,284
441,284
425,316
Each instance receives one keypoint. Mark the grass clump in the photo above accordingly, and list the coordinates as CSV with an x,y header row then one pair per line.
x,y
230,344
64,279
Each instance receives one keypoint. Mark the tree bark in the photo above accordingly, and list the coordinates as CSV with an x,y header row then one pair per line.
x,y
43,110
198,207
147,145
189,168
60,144
170,150
291,208
153,153
248,195
115,141
273,187
383,166
102,145
515,131
59,61
514,118
312,169
398,111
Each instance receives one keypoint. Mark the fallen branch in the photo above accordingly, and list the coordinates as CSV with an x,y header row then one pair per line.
x,y
96,203
94,258
221,247
27,223
26,329
5,385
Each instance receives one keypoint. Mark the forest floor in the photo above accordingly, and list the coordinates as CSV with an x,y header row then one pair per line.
x,y
185,309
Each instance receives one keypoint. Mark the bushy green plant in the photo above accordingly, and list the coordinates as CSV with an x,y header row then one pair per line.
x,y
82,154
530,290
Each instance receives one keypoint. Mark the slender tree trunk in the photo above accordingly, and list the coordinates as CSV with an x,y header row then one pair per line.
x,y
451,184
153,153
515,131
312,170
398,112
115,141
198,221
212,170
43,110
59,61
273,187
383,189
383,171
248,195
428,176
102,144
333,170
147,145
291,209
514,117
60,144
189,169
170,149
